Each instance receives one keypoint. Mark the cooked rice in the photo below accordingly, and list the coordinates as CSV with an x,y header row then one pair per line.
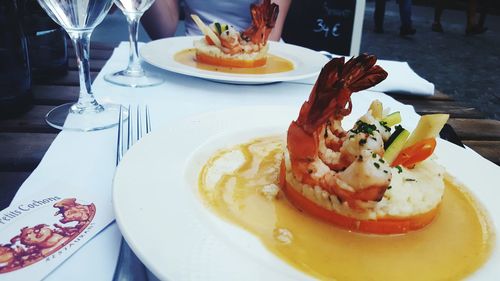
x,y
214,51
413,192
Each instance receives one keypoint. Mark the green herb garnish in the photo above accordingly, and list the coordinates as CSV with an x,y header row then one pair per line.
x,y
400,170
218,27
362,127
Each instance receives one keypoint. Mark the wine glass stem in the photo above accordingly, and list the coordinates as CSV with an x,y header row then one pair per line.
x,y
81,43
134,63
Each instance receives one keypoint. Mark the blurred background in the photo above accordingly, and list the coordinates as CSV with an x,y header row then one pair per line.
x,y
464,67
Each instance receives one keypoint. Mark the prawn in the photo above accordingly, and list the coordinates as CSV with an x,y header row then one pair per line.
x,y
323,154
264,17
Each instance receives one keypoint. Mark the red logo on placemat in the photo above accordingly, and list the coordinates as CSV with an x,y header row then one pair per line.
x,y
40,241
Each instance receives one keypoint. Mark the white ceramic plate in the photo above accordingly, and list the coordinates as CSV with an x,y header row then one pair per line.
x,y
160,53
164,221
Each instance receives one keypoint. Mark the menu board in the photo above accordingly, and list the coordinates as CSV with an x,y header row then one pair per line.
x,y
321,25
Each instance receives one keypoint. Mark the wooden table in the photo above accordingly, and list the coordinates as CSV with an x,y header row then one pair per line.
x,y
25,139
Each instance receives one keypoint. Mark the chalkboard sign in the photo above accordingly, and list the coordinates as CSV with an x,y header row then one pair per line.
x,y
331,25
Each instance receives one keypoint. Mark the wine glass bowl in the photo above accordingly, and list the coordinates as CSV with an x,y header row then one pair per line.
x,y
79,18
134,75
134,6
77,14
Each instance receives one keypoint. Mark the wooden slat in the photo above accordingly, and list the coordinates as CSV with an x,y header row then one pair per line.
x,y
70,79
487,149
9,184
454,109
95,65
101,46
33,122
438,96
54,95
100,54
23,151
476,129
94,45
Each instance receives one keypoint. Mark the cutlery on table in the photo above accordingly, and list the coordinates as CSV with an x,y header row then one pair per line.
x,y
129,267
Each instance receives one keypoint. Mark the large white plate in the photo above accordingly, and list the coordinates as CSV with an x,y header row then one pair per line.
x,y
164,221
160,53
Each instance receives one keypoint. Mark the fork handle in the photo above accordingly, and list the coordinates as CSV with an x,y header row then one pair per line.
x,y
129,267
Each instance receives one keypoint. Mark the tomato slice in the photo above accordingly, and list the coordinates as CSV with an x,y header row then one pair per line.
x,y
209,40
228,62
415,153
385,225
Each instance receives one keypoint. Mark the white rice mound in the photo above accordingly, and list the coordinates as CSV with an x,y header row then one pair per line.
x,y
413,192
213,51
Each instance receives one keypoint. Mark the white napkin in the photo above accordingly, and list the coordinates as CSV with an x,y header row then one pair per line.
x,y
81,161
82,213
401,79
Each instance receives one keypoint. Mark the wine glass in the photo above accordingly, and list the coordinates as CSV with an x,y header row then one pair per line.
x,y
134,75
79,18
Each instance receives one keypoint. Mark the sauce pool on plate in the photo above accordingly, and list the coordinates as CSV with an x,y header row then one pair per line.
x,y
238,185
275,64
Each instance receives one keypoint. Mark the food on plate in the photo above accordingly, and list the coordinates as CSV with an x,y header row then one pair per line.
x,y
329,201
363,179
239,183
223,45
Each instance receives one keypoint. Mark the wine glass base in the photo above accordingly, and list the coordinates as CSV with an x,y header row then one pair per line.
x,y
139,80
64,117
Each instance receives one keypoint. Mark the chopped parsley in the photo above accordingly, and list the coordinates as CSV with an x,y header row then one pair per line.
x,y
384,124
218,27
410,179
400,170
377,165
374,155
362,127
381,160
389,187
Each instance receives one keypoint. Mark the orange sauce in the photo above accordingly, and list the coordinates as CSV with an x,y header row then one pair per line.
x,y
456,244
274,64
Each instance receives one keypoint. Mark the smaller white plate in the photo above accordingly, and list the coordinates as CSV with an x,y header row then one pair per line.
x,y
307,63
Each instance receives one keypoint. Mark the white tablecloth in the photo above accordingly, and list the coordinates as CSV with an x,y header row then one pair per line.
x,y
88,159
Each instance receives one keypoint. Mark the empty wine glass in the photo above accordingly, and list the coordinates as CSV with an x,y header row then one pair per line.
x,y
79,18
134,75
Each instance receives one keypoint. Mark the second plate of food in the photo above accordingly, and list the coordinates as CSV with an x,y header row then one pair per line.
x,y
286,62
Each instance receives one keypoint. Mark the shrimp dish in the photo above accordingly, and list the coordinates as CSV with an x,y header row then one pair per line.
x,y
223,45
375,177
367,203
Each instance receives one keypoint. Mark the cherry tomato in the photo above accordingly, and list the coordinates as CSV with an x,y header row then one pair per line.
x,y
418,152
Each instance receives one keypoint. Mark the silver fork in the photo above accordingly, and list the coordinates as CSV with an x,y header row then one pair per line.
x,y
142,127
129,267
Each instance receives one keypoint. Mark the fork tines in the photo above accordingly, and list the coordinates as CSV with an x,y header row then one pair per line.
x,y
133,124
